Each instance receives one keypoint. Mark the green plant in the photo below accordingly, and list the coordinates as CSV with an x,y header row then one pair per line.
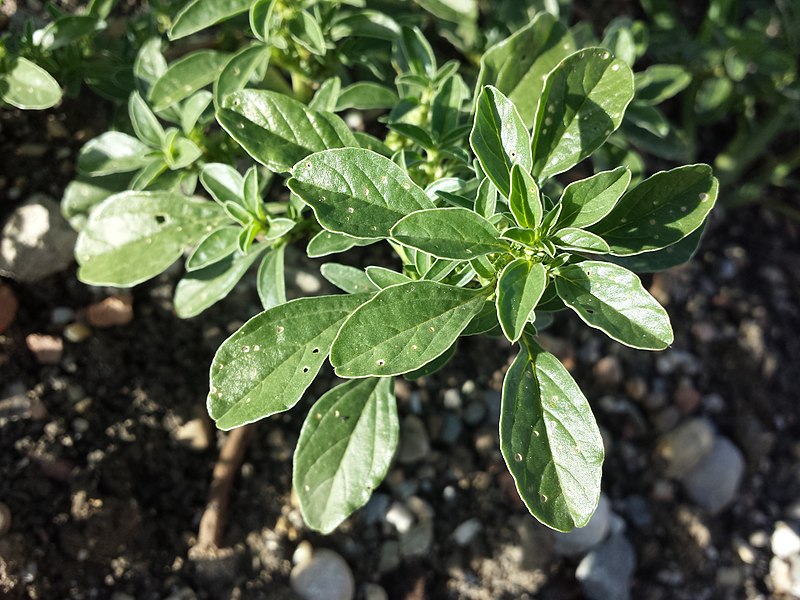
x,y
463,188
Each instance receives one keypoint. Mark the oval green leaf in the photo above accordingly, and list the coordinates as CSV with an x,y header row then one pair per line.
x,y
519,288
587,201
199,14
579,240
112,152
524,200
217,245
345,447
612,299
26,85
185,76
270,282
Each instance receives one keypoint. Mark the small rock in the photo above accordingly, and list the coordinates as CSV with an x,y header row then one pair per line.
x,y
195,434
400,517
450,429
8,306
713,483
729,577
80,425
76,333
474,413
608,372
638,512
5,519
414,443
784,576
605,573
784,541
417,540
110,312
466,532
303,552
682,448
307,282
36,241
22,406
326,576
47,349
376,509
493,400
390,556
636,388
372,591
579,541
422,510
452,399
61,315
686,396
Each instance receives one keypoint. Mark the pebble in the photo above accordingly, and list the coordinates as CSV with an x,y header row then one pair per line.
x,y
110,312
5,519
325,576
466,532
194,434
729,577
686,396
376,509
400,517
390,556
36,241
605,573
784,541
8,306
80,425
47,349
450,429
682,448
784,576
579,541
61,315
372,591
714,482
416,542
608,372
303,552
452,399
638,512
22,406
76,333
414,443
474,413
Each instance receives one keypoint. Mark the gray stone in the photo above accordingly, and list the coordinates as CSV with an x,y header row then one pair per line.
x,y
414,443
372,591
605,573
474,413
452,399
451,428
326,576
376,509
466,532
36,241
390,556
400,517
784,541
416,542
580,541
682,449
61,315
713,483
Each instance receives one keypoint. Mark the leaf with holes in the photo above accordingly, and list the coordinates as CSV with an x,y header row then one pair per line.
x,y
133,236
660,211
519,288
550,440
455,233
499,138
356,192
612,299
279,131
345,447
403,328
265,366
583,102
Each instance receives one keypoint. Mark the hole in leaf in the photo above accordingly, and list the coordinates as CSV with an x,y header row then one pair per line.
x,y
315,351
590,311
305,369
160,219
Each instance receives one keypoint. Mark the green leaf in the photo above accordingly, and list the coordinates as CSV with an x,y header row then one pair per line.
x,y
305,30
499,138
456,233
185,76
200,14
26,85
133,236
223,182
278,131
485,321
149,65
519,288
356,192
348,279
270,281
239,69
524,200
414,53
664,259
66,30
583,102
660,211
585,202
217,245
193,109
550,441
112,152
265,366
518,65
84,193
383,277
344,451
403,328
661,82
612,299
447,106
203,288
326,95
366,95
579,240
327,242
435,365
